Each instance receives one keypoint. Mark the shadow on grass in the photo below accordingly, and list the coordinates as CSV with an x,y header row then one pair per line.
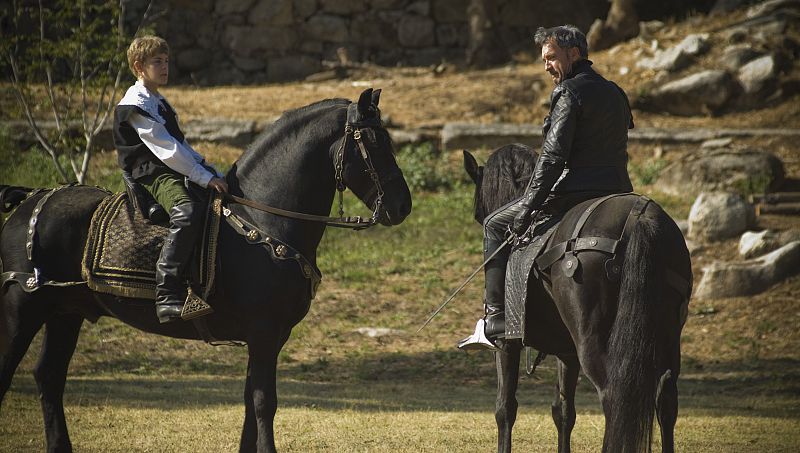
x,y
403,382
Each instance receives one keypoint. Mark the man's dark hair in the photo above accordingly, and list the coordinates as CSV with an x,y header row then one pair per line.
x,y
565,36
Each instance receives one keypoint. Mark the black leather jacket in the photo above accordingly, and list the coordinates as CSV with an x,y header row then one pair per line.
x,y
585,133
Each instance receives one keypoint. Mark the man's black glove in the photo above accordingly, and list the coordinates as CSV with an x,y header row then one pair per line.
x,y
522,221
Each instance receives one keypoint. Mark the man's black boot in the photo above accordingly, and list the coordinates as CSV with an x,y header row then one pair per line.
x,y
185,225
493,324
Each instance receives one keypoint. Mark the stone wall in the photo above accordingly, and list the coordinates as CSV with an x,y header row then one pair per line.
x,y
252,41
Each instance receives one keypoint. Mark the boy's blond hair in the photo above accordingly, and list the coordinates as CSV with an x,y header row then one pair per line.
x,y
145,47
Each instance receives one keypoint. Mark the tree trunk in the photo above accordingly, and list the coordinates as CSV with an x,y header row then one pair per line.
x,y
485,48
622,23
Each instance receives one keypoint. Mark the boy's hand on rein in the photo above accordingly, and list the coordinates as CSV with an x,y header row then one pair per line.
x,y
218,184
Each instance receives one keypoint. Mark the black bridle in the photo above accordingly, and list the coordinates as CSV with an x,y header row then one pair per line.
x,y
353,127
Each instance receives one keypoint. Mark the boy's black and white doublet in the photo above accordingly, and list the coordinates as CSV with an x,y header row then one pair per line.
x,y
148,138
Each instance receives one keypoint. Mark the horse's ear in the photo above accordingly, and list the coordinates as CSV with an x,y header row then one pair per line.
x,y
365,101
471,166
376,97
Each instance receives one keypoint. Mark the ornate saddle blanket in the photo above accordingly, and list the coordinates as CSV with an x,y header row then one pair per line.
x,y
122,250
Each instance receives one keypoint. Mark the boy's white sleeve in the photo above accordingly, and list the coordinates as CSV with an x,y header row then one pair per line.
x,y
177,156
201,159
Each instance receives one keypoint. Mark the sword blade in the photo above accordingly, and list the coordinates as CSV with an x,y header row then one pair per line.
x,y
452,296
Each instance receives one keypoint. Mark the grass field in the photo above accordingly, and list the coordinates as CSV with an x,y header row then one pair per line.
x,y
203,413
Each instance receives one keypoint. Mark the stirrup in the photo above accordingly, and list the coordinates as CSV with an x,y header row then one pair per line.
x,y
477,340
195,306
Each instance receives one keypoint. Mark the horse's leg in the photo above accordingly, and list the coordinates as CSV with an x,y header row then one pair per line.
x,y
23,323
667,400
60,338
260,391
249,429
507,360
563,407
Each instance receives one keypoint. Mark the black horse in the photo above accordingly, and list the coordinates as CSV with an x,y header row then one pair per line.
x,y
625,336
294,165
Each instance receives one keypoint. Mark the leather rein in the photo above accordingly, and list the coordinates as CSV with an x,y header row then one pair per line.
x,y
342,221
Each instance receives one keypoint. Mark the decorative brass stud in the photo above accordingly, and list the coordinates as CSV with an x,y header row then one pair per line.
x,y
280,250
252,235
30,282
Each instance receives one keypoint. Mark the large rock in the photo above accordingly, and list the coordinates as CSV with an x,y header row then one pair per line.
x,y
734,57
466,135
451,35
327,28
678,56
192,59
445,11
343,7
374,32
221,130
723,169
292,67
753,243
232,6
725,6
272,12
759,78
722,279
770,6
247,40
698,94
416,31
719,215
303,9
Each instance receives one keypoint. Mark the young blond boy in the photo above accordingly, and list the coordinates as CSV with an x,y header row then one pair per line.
x,y
152,148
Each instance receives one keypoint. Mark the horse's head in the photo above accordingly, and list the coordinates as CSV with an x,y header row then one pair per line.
x,y
366,163
502,179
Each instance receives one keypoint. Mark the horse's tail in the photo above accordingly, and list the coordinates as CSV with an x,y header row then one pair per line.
x,y
632,380
12,196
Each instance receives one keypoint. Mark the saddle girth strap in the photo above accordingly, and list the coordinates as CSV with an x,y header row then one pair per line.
x,y
31,281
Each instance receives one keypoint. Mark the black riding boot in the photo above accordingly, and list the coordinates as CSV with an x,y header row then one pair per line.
x,y
184,226
493,324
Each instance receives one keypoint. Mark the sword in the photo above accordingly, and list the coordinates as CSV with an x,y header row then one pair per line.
x,y
509,239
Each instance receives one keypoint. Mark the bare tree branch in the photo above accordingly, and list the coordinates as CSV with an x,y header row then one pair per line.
x,y
20,95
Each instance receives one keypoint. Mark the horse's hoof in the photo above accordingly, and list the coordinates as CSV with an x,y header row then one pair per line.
x,y
478,340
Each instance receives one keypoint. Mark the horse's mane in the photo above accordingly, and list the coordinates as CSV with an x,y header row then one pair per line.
x,y
292,120
505,177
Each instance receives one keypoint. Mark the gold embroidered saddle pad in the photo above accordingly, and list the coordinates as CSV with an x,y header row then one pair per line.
x,y
122,250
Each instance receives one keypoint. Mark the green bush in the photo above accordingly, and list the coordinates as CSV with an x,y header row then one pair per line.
x,y
756,184
647,172
425,169
30,168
